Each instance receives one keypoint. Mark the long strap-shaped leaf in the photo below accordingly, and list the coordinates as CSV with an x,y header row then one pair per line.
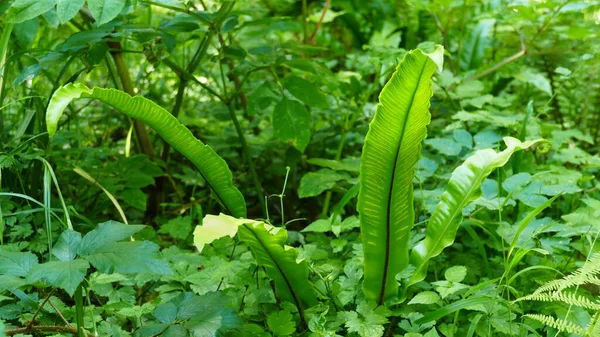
x,y
390,154
268,246
463,188
213,168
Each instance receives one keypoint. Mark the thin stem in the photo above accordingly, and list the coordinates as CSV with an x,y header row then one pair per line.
x,y
304,22
500,64
4,39
310,39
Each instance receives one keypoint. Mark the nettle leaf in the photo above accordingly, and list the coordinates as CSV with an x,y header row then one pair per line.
x,y
315,183
23,10
291,122
67,246
281,323
16,263
62,274
105,10
67,9
306,91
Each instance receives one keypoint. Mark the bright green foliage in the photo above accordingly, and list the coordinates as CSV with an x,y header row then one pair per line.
x,y
268,244
212,168
291,122
390,154
464,187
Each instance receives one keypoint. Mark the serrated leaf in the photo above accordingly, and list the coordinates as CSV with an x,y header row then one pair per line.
x,y
107,233
105,10
16,263
306,91
281,323
67,246
62,274
315,183
23,10
67,9
127,257
291,123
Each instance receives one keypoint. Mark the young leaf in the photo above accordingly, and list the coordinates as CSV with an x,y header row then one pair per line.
x,y
213,168
390,154
463,188
291,122
67,9
267,243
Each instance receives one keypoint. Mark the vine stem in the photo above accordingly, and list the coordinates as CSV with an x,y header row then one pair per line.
x,y
312,36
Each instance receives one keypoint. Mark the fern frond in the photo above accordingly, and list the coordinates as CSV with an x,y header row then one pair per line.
x,y
559,324
593,327
557,296
584,275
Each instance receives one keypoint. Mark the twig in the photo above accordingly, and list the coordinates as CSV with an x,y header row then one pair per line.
x,y
500,64
43,328
60,314
320,21
30,324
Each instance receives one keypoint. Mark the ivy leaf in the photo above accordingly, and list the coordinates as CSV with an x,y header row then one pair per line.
x,y
67,246
67,9
291,122
105,10
62,274
281,323
128,257
23,10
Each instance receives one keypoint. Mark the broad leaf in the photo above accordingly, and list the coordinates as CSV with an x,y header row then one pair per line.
x,y
16,263
67,246
106,233
105,10
67,9
463,188
315,183
62,274
128,257
291,122
213,168
23,10
390,155
306,91
268,246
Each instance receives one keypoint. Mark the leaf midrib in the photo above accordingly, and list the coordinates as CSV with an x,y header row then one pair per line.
x,y
389,203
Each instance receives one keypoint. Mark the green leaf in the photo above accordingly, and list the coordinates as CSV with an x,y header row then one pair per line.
x,y
347,164
213,168
390,154
63,274
281,323
463,188
315,183
267,243
367,321
455,273
425,297
178,228
476,44
306,91
16,263
128,257
280,262
135,197
105,10
106,233
23,10
67,9
67,246
291,122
